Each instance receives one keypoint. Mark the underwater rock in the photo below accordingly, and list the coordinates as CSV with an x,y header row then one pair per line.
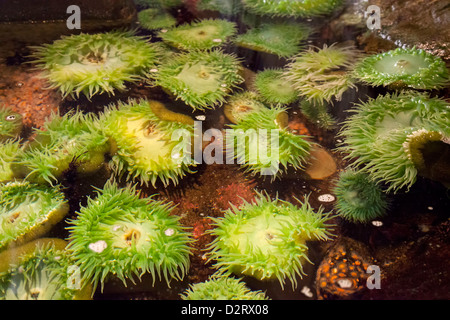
x,y
421,23
321,164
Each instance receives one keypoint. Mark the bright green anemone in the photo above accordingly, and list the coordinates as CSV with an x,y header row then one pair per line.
x,y
28,211
202,35
8,153
388,136
162,4
292,8
318,113
411,68
242,104
40,270
155,19
70,140
225,7
320,75
121,234
96,63
263,143
149,147
358,198
200,79
10,124
267,239
222,288
281,39
273,88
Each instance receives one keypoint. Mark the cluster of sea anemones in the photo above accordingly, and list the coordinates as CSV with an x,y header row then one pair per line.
x,y
122,233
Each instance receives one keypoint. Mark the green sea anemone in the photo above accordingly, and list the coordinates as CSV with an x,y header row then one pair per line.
x,y
222,288
28,211
201,35
225,7
72,139
142,132
387,136
322,74
242,104
9,151
407,68
118,233
281,39
155,19
10,124
267,239
166,4
273,88
298,8
40,270
358,198
262,140
200,79
96,63
318,114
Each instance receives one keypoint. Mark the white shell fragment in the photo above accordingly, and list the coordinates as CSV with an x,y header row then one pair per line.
x,y
169,232
326,197
307,292
344,283
98,246
377,223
